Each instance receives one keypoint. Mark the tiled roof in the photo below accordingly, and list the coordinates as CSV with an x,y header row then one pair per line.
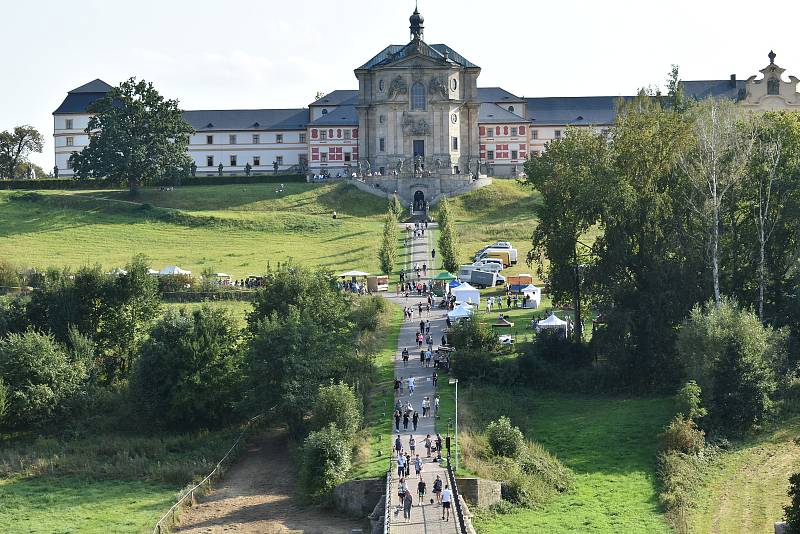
x,y
341,116
79,99
496,94
575,110
247,119
339,97
700,89
95,86
392,53
492,113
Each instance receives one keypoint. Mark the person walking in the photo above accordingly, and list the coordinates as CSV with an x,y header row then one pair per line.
x,y
404,357
428,445
415,420
438,442
396,386
398,445
418,466
408,464
405,421
410,385
402,489
436,406
408,502
421,487
434,379
401,466
437,489
425,406
447,497
412,444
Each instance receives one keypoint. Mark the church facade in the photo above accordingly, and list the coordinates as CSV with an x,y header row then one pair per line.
x,y
418,122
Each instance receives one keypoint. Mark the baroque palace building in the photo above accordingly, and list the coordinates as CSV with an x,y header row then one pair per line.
x,y
417,123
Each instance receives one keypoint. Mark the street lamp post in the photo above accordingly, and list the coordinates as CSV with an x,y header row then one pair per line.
x,y
455,381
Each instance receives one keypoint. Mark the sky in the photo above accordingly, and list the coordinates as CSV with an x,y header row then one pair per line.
x,y
226,54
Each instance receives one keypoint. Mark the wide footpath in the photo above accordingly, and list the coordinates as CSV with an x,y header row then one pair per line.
x,y
425,517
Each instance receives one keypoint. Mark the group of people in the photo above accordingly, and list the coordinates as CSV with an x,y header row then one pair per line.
x,y
408,457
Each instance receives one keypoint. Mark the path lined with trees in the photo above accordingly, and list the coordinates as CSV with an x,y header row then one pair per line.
x,y
426,517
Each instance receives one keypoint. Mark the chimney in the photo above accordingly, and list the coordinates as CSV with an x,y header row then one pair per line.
x,y
733,80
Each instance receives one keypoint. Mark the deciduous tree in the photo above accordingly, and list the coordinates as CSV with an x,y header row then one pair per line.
x,y
136,136
16,146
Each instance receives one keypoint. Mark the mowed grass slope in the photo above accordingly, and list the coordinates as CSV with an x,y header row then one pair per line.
x,y
610,444
746,489
44,505
233,228
503,211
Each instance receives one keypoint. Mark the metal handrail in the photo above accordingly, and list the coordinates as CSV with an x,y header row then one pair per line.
x,y
159,526
462,523
387,515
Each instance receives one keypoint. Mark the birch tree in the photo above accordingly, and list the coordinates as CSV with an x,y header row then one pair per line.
x,y
723,139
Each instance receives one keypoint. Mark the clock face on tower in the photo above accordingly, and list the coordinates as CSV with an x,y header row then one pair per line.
x,y
454,118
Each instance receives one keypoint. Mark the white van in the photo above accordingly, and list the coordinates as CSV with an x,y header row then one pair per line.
x,y
465,272
489,264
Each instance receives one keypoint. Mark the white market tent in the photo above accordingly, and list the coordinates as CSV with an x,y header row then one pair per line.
x,y
152,272
461,311
353,273
534,293
173,270
552,322
467,293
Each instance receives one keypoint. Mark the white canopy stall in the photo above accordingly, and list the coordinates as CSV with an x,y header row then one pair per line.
x,y
552,323
534,294
462,311
174,270
467,293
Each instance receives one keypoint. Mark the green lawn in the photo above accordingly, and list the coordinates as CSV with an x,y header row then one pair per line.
x,y
235,229
610,443
49,505
375,454
746,488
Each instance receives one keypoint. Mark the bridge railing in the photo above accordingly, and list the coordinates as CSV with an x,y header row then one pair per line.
x,y
387,513
462,520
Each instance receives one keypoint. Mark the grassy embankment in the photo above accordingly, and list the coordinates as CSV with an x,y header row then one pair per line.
x,y
236,229
745,489
102,483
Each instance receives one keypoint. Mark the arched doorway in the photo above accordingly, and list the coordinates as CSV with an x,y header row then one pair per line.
x,y
419,201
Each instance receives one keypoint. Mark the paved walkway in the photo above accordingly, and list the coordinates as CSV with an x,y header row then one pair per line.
x,y
425,517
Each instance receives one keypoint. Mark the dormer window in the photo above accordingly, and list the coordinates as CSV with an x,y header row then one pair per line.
x,y
324,111
773,87
511,109
417,97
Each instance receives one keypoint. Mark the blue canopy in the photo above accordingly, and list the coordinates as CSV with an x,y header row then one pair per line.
x,y
455,283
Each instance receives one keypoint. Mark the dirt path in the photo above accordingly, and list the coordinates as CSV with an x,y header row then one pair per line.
x,y
257,495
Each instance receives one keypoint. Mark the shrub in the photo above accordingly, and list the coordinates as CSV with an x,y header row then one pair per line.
x,y
682,435
680,474
337,405
736,360
368,311
792,511
471,334
689,401
325,459
9,276
40,378
504,438
189,371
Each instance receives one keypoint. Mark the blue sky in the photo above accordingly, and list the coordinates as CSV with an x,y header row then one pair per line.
x,y
256,54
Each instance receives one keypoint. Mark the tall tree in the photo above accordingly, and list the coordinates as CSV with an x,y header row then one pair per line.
x,y
569,176
723,138
136,136
773,170
644,254
387,254
447,237
676,96
16,146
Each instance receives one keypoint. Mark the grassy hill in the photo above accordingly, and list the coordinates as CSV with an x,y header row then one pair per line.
x,y
233,228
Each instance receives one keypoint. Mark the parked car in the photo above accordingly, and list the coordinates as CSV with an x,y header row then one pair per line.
x,y
502,255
